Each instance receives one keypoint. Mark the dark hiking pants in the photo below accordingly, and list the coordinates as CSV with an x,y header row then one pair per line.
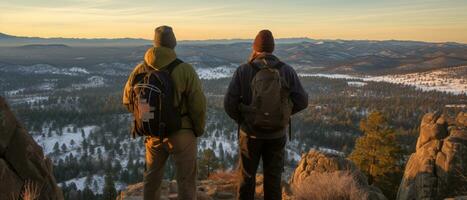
x,y
272,153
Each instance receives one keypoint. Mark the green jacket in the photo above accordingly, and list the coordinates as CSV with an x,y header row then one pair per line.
x,y
186,82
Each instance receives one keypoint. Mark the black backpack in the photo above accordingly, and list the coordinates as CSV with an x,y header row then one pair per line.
x,y
270,107
153,103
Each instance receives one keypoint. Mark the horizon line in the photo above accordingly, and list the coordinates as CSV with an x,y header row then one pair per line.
x,y
232,39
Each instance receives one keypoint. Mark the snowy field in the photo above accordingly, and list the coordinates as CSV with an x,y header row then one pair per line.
x,y
439,80
450,80
96,183
66,137
216,72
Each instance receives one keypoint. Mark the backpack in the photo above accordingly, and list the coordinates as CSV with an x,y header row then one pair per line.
x,y
152,94
270,107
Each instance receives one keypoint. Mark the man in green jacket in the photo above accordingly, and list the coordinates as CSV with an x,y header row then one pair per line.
x,y
182,145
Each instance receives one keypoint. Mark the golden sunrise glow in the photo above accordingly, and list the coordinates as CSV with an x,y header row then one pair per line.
x,y
437,21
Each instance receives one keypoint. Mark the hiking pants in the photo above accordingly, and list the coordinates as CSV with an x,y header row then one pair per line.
x,y
183,147
272,153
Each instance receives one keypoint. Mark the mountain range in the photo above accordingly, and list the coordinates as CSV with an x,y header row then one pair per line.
x,y
11,40
365,57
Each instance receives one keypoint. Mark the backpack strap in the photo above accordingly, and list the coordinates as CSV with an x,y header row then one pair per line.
x,y
278,65
256,68
170,67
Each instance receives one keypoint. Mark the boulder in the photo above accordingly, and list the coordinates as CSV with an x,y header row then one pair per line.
x,y
437,168
13,188
7,126
206,190
329,168
22,160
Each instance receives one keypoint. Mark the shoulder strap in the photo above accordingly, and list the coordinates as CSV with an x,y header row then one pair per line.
x,y
278,65
170,67
255,67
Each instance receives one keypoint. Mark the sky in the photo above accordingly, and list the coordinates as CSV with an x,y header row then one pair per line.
x,y
422,20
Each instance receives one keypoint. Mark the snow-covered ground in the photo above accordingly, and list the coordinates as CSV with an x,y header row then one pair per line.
x,y
440,80
215,72
228,146
73,136
14,92
28,99
451,80
45,69
356,83
66,137
78,70
335,76
93,82
96,183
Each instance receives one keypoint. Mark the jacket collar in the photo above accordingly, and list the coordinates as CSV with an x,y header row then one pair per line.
x,y
263,59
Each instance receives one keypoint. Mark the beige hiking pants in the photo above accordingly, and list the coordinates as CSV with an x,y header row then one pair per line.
x,y
183,147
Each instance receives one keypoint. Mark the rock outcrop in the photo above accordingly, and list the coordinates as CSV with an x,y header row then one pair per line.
x,y
222,188
317,164
437,169
22,161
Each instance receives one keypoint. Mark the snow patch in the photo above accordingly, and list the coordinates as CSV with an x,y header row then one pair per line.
x,y
93,82
215,73
334,76
450,80
66,137
14,92
78,70
356,83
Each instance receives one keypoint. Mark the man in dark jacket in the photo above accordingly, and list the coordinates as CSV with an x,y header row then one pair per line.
x,y
254,145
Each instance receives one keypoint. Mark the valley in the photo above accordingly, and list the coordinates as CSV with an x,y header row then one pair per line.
x,y
69,98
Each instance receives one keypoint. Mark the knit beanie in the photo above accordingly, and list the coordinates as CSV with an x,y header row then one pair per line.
x,y
264,42
165,37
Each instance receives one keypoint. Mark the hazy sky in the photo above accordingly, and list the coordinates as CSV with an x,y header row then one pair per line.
x,y
427,20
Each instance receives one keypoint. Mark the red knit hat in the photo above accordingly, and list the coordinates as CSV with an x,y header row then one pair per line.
x,y
264,42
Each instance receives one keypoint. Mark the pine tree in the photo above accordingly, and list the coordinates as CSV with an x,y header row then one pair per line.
x,y
64,148
109,192
56,148
208,163
221,152
87,194
88,180
85,144
378,154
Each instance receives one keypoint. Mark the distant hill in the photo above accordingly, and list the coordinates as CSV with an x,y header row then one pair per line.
x,y
5,36
10,41
233,41
44,46
304,54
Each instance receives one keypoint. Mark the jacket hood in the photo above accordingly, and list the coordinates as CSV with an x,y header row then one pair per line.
x,y
264,59
159,57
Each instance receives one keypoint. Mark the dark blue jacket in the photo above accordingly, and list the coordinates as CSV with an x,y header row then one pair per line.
x,y
239,91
